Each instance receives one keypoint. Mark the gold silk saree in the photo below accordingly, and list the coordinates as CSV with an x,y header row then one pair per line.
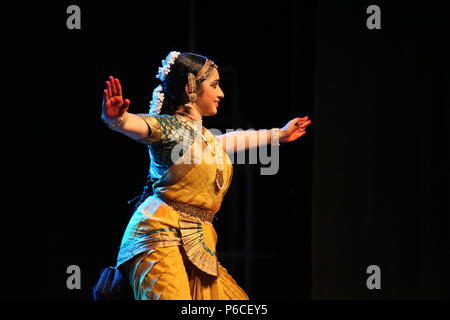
x,y
168,250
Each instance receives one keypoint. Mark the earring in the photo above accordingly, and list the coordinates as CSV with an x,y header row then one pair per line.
x,y
192,87
193,97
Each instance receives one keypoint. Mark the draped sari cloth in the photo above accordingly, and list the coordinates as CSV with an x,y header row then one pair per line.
x,y
168,250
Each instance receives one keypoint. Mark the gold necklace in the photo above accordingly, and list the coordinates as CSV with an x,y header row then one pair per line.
x,y
219,180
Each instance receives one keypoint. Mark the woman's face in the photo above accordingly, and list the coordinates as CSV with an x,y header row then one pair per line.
x,y
208,101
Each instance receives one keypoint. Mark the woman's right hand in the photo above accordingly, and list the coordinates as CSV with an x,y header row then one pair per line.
x,y
114,105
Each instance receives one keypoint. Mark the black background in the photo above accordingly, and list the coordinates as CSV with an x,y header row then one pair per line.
x,y
368,184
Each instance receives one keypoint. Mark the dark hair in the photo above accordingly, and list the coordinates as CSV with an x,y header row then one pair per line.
x,y
146,192
112,285
175,82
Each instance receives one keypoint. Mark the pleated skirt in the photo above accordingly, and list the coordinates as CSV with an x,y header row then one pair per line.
x,y
167,274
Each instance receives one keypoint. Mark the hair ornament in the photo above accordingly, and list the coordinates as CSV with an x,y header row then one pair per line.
x,y
166,64
157,100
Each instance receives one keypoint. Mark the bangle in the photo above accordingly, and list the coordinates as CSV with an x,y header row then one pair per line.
x,y
275,138
113,123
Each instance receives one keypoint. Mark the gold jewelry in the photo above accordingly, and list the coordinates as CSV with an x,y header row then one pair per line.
x,y
201,76
205,70
192,87
202,214
219,180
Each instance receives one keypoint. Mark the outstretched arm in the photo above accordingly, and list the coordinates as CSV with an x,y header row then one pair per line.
x,y
242,140
115,115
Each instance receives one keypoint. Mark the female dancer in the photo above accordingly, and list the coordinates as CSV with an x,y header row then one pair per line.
x,y
168,249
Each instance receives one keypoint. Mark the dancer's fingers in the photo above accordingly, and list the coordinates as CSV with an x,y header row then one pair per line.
x,y
299,134
301,124
300,120
113,86
108,89
118,87
305,124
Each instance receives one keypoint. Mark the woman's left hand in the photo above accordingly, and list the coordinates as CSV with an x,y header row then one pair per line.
x,y
294,129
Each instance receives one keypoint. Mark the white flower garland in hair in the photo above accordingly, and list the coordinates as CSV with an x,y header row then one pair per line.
x,y
157,100
158,95
166,64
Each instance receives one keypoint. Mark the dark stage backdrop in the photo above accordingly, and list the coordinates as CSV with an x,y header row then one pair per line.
x,y
367,185
381,151
71,176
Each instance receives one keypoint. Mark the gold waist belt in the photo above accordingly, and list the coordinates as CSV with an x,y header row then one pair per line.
x,y
202,214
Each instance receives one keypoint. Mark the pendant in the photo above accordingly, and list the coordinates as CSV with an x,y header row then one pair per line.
x,y
219,181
